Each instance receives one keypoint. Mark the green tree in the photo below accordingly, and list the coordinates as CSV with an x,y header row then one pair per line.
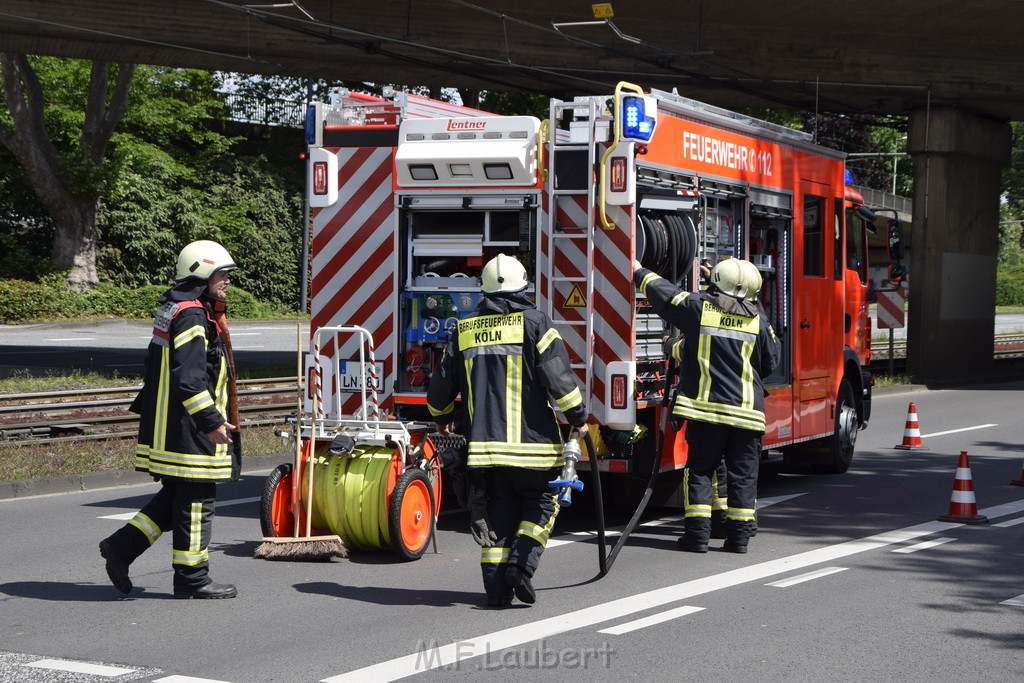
x,y
63,148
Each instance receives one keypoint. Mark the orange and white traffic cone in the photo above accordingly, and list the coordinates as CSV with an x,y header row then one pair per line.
x,y
1019,482
962,506
911,432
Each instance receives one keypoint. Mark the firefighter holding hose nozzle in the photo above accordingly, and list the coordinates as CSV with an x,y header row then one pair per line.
x,y
508,362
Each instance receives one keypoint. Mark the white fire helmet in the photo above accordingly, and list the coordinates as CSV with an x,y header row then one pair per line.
x,y
737,278
503,274
202,259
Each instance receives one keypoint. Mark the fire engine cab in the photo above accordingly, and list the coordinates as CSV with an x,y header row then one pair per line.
x,y
411,197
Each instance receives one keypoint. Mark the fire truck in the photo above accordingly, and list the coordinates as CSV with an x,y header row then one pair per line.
x,y
410,197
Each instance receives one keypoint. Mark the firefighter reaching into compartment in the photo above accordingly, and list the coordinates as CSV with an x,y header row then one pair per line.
x,y
728,347
507,361
185,439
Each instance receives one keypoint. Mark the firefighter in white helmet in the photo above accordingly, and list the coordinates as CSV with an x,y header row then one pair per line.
x,y
185,439
728,347
511,366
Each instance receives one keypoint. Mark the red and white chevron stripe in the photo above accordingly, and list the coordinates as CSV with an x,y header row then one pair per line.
x,y
612,303
355,260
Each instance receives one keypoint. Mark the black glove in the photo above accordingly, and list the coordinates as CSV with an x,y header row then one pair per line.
x,y
479,525
675,422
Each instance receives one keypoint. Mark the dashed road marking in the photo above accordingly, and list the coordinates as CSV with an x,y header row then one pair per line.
x,y
809,576
79,667
1016,602
924,546
651,620
125,516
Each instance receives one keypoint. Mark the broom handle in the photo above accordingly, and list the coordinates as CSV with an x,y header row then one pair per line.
x,y
312,445
220,317
297,466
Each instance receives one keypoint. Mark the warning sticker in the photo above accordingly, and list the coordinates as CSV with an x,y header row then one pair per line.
x,y
575,298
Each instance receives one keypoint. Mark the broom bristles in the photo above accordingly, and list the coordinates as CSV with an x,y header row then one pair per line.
x,y
318,549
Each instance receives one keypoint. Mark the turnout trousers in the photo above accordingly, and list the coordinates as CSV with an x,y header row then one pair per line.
x,y
709,446
186,509
521,509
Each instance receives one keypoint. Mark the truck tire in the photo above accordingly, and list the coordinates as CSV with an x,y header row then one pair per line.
x,y
844,437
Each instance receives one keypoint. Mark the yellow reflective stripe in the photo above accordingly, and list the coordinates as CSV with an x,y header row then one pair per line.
x,y
513,398
190,559
697,511
648,279
434,412
570,400
195,527
704,363
719,413
190,334
679,298
677,350
147,526
162,462
469,389
740,514
541,534
490,330
747,375
496,459
549,337
494,555
220,450
508,447
163,396
194,404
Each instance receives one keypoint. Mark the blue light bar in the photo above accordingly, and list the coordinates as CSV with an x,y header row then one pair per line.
x,y
847,177
636,125
310,125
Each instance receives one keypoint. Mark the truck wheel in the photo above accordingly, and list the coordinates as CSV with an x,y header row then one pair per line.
x,y
843,439
276,516
411,514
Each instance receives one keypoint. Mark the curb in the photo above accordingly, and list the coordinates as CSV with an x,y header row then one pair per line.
x,y
94,481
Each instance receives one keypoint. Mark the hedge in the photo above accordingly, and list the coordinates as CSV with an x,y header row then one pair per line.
x,y
25,302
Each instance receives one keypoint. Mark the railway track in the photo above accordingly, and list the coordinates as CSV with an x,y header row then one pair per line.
x,y
99,414
1007,348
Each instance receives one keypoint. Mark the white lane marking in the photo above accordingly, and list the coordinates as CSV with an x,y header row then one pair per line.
x,y
957,431
64,339
651,620
185,679
244,334
564,539
449,655
1016,602
1011,522
79,667
124,516
1003,510
924,546
809,576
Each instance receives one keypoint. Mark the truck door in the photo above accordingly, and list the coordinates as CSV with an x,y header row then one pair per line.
x,y
815,332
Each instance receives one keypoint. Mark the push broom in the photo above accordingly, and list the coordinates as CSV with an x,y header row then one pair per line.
x,y
305,548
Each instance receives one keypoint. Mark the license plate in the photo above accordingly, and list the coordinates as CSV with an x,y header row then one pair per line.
x,y
350,376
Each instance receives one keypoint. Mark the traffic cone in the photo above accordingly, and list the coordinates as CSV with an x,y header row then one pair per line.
x,y
911,432
962,506
1019,482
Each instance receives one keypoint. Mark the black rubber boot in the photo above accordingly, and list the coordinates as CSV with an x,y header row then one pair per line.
x,y
521,585
211,591
117,568
695,538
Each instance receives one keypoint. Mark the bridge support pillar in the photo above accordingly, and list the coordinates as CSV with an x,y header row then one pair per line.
x,y
958,157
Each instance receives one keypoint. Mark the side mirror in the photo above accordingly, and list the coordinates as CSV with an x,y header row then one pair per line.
x,y
895,240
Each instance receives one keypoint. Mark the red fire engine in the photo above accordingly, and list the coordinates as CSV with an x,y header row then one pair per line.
x,y
410,197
